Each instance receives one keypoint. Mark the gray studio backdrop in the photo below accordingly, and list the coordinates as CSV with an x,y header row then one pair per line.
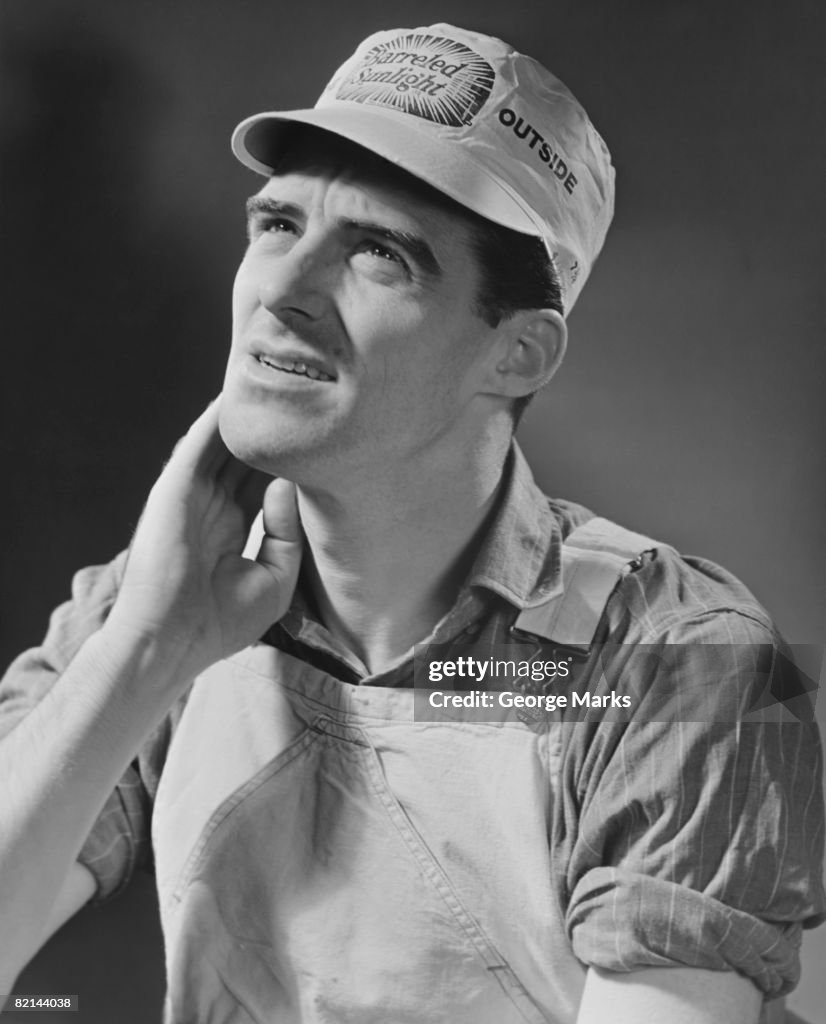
x,y
690,406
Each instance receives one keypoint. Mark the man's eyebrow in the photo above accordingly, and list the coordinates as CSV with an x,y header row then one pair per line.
x,y
264,205
416,246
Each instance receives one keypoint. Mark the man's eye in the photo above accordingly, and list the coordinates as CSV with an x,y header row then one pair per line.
x,y
276,224
264,225
382,252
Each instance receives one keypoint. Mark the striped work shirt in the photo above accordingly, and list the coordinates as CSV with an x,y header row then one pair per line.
x,y
696,841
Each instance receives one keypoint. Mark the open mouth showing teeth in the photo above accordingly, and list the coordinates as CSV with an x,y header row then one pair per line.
x,y
296,367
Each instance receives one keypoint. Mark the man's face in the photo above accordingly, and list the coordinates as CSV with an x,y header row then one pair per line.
x,y
355,341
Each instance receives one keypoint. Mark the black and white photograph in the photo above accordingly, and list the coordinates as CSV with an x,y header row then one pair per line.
x,y
414,569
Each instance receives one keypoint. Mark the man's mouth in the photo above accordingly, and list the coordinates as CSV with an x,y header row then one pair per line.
x,y
298,367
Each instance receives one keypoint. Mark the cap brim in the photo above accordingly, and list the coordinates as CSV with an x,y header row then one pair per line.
x,y
441,162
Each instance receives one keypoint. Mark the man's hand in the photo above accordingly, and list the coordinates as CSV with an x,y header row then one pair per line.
x,y
187,599
186,585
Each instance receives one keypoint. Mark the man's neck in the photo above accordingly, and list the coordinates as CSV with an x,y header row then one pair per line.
x,y
386,561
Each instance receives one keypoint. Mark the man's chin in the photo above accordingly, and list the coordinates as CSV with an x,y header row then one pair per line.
x,y
272,444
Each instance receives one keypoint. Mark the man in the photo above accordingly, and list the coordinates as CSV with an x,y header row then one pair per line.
x,y
321,853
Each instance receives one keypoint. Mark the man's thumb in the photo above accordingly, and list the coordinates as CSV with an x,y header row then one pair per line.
x,y
281,511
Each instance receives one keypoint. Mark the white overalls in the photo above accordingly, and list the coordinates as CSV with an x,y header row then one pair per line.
x,y
321,857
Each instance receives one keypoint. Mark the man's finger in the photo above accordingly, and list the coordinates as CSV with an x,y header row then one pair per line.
x,y
201,449
248,487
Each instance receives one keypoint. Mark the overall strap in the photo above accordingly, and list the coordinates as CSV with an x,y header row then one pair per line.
x,y
595,556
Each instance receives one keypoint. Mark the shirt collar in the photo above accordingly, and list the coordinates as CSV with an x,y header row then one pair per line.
x,y
520,557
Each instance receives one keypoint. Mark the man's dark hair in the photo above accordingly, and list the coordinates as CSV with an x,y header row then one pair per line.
x,y
515,270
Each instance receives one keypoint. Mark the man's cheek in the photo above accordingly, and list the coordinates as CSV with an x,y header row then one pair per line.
x,y
244,292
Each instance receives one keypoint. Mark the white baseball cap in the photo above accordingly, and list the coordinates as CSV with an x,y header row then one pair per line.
x,y
480,122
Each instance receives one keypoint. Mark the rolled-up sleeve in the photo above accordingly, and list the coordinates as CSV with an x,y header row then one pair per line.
x,y
698,837
119,840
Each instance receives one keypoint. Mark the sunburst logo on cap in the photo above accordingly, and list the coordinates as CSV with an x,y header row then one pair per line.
x,y
431,77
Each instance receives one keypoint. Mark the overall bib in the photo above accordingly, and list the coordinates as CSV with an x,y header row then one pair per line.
x,y
323,858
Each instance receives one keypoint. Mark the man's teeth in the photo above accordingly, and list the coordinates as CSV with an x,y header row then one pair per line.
x,y
294,366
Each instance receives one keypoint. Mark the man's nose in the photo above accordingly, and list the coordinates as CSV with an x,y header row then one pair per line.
x,y
300,282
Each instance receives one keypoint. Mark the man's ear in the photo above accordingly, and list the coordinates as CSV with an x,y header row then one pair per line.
x,y
532,346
